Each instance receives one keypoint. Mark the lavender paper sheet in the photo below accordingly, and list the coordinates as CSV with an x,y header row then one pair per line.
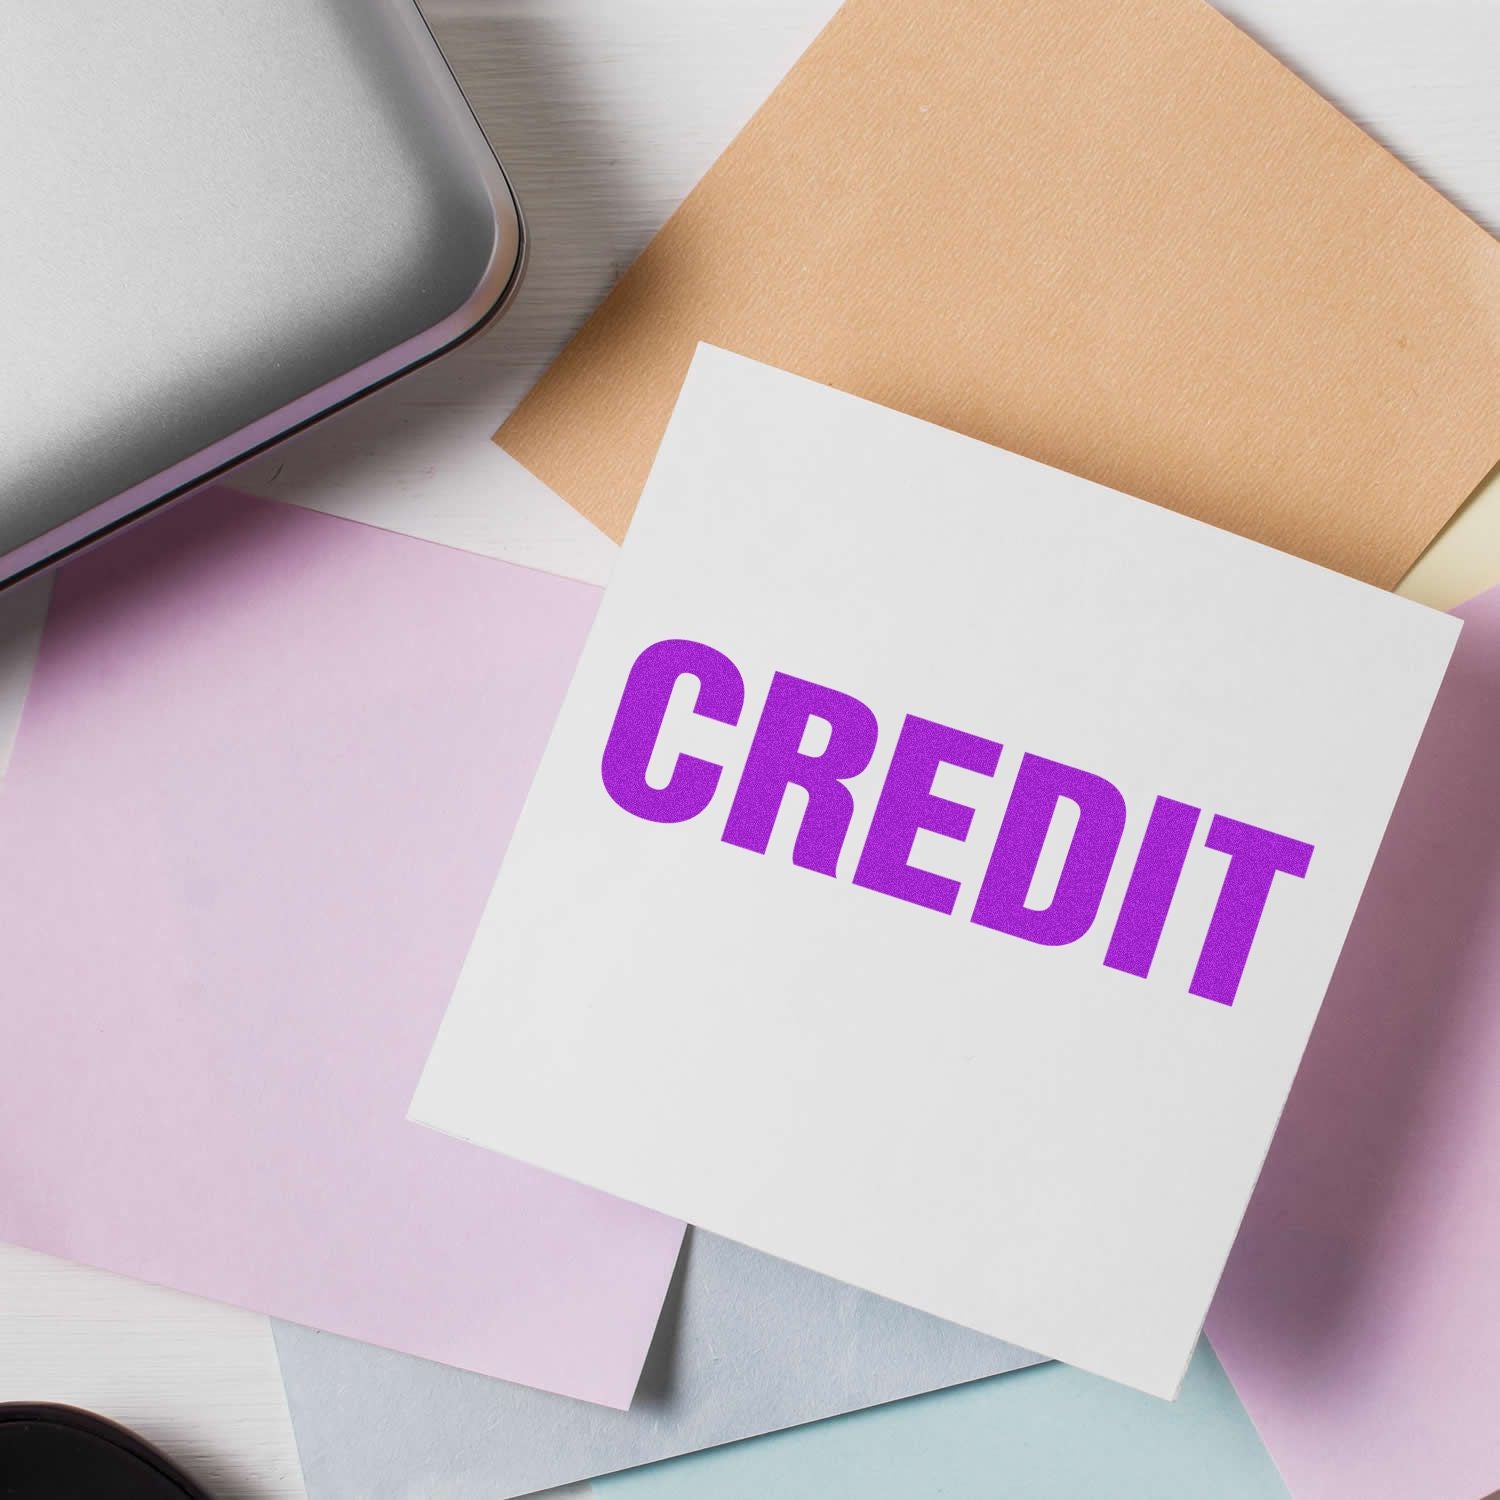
x,y
266,771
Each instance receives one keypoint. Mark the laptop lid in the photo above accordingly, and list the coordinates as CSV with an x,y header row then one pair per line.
x,y
221,220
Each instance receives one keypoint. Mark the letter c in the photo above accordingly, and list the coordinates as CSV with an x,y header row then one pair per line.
x,y
638,722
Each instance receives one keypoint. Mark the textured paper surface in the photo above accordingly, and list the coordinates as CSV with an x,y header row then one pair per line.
x,y
1113,235
1003,1132
1051,1433
266,767
1358,1316
747,1344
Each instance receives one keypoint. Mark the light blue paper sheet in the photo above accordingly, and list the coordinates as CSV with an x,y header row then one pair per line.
x,y
746,1344
1049,1433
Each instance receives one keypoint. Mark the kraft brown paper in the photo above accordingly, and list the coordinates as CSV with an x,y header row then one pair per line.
x,y
1113,235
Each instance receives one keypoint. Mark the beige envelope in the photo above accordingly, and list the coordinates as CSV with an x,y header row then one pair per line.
x,y
1113,235
1463,561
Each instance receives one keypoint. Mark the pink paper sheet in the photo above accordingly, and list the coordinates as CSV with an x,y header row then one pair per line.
x,y
1359,1317
265,775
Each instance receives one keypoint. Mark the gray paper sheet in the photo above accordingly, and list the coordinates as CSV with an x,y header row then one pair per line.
x,y
747,1344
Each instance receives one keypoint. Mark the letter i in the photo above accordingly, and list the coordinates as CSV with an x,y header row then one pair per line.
x,y
1153,883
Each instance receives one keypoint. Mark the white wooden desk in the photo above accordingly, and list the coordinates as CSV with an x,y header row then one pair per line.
x,y
605,113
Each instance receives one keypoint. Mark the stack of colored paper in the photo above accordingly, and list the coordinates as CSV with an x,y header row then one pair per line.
x,y
921,872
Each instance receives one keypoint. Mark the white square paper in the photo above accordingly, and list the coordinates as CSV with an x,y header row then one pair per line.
x,y
1180,750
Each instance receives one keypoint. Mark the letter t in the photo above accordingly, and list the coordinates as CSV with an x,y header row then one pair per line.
x,y
1256,856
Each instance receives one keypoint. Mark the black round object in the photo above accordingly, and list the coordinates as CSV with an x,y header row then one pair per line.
x,y
61,1453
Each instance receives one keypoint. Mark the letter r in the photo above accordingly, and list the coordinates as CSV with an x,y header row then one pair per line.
x,y
776,761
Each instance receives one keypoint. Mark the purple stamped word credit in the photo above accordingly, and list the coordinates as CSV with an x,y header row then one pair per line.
x,y
907,805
